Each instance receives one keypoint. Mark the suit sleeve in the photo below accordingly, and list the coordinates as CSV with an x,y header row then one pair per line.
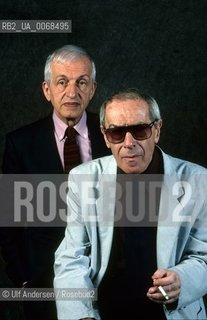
x,y
192,268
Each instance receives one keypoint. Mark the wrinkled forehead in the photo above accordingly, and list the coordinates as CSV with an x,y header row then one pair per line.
x,y
126,112
79,64
70,58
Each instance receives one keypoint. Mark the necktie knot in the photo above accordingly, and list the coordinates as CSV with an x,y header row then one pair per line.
x,y
70,133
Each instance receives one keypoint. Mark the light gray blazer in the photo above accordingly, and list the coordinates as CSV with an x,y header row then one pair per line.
x,y
82,257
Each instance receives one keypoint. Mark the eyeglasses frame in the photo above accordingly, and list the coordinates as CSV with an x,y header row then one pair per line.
x,y
150,125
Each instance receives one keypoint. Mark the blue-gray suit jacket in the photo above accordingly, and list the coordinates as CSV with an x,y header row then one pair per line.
x,y
83,255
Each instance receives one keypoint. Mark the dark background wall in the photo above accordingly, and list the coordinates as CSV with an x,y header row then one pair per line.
x,y
158,46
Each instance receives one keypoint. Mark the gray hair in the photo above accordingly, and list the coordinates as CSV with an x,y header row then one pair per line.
x,y
65,54
132,94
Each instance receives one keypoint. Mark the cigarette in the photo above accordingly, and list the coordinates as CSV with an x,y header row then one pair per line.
x,y
163,293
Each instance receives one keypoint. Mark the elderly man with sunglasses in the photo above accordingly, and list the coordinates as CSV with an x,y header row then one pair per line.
x,y
137,225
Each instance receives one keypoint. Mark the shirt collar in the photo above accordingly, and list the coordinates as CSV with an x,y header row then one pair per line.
x,y
61,126
81,126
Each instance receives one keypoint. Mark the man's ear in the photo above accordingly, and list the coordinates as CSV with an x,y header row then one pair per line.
x,y
93,89
158,127
46,90
106,141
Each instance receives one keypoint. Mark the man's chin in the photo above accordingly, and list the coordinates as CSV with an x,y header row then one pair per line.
x,y
73,119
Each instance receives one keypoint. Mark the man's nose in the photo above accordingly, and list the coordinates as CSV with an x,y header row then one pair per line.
x,y
129,140
71,90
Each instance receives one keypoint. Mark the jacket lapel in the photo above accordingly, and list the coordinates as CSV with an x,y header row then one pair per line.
x,y
49,152
171,214
106,207
98,146
168,229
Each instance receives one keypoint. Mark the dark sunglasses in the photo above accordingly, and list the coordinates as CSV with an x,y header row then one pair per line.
x,y
138,131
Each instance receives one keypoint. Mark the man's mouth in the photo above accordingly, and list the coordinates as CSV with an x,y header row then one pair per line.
x,y
131,157
71,104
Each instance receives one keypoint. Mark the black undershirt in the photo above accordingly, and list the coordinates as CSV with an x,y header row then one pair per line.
x,y
122,292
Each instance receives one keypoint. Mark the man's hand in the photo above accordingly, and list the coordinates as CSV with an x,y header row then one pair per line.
x,y
170,282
